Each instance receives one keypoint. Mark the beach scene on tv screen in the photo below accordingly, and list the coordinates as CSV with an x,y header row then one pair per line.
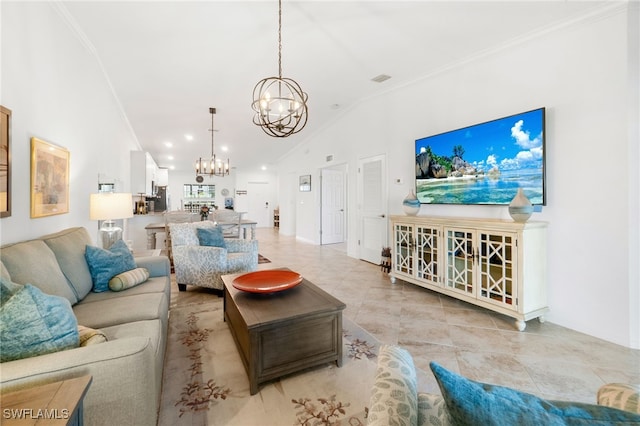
x,y
484,163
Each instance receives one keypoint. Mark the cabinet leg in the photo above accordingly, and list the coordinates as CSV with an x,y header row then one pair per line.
x,y
521,325
182,287
392,279
541,319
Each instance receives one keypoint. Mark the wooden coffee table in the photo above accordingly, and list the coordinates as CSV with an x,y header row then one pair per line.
x,y
284,332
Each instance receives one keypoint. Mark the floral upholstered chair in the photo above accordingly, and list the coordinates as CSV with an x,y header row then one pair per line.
x,y
201,254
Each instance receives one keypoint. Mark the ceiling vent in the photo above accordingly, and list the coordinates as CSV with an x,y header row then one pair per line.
x,y
380,78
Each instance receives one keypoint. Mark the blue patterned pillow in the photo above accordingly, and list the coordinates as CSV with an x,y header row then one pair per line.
x,y
211,237
34,323
106,264
475,403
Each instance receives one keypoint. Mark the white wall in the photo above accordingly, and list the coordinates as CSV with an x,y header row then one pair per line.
x,y
57,92
581,74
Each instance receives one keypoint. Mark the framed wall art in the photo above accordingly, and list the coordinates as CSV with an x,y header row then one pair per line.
x,y
305,183
5,162
49,179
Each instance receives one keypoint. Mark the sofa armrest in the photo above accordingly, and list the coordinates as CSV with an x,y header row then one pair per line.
x,y
158,266
621,396
115,365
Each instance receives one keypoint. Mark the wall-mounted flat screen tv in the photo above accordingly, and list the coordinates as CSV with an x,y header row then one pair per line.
x,y
485,163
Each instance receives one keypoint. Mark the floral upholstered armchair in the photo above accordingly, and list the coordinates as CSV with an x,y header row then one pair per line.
x,y
201,255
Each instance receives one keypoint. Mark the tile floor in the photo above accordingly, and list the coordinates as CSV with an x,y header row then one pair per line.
x,y
546,359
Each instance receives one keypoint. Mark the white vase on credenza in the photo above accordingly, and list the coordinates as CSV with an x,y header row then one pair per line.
x,y
411,204
520,207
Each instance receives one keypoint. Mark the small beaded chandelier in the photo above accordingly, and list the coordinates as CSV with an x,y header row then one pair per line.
x,y
279,103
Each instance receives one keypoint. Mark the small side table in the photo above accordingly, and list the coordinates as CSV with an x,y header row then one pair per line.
x,y
55,404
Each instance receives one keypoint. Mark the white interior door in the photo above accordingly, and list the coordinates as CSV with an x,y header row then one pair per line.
x,y
333,205
372,210
259,208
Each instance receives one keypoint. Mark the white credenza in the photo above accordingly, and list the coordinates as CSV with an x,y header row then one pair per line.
x,y
496,264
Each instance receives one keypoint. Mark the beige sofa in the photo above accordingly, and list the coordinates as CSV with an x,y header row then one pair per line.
x,y
127,369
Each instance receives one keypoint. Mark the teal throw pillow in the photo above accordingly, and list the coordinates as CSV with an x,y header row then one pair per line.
x,y
475,403
106,264
211,237
33,323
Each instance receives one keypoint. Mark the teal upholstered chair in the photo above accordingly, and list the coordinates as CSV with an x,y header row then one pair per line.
x,y
202,265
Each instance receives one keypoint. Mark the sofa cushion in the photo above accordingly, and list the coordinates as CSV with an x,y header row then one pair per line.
x,y
128,279
33,323
152,285
33,262
211,237
106,264
475,403
69,247
394,397
121,310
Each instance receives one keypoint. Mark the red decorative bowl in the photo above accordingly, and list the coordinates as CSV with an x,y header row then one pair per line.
x,y
268,281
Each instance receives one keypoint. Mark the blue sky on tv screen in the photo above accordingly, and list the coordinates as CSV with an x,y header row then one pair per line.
x,y
513,142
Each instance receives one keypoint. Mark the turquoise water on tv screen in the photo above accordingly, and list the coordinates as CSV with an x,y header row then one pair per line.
x,y
482,190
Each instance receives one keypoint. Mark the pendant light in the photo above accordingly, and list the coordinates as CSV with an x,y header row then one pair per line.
x,y
216,167
279,103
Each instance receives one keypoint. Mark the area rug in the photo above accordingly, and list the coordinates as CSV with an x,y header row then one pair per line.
x,y
205,382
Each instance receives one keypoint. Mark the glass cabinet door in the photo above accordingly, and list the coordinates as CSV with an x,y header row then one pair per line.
x,y
403,240
459,271
496,267
426,243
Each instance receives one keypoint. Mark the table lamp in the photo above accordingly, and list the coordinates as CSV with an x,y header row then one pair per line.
x,y
108,206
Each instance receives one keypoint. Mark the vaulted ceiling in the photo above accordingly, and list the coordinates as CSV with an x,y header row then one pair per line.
x,y
169,61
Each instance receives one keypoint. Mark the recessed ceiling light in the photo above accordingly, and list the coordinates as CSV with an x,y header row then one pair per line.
x,y
224,148
172,167
168,144
170,157
264,167
188,137
380,78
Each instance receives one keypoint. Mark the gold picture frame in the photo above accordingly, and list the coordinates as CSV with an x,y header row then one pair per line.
x,y
49,179
5,162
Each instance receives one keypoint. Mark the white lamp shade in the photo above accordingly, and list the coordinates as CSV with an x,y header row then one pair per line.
x,y
110,206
